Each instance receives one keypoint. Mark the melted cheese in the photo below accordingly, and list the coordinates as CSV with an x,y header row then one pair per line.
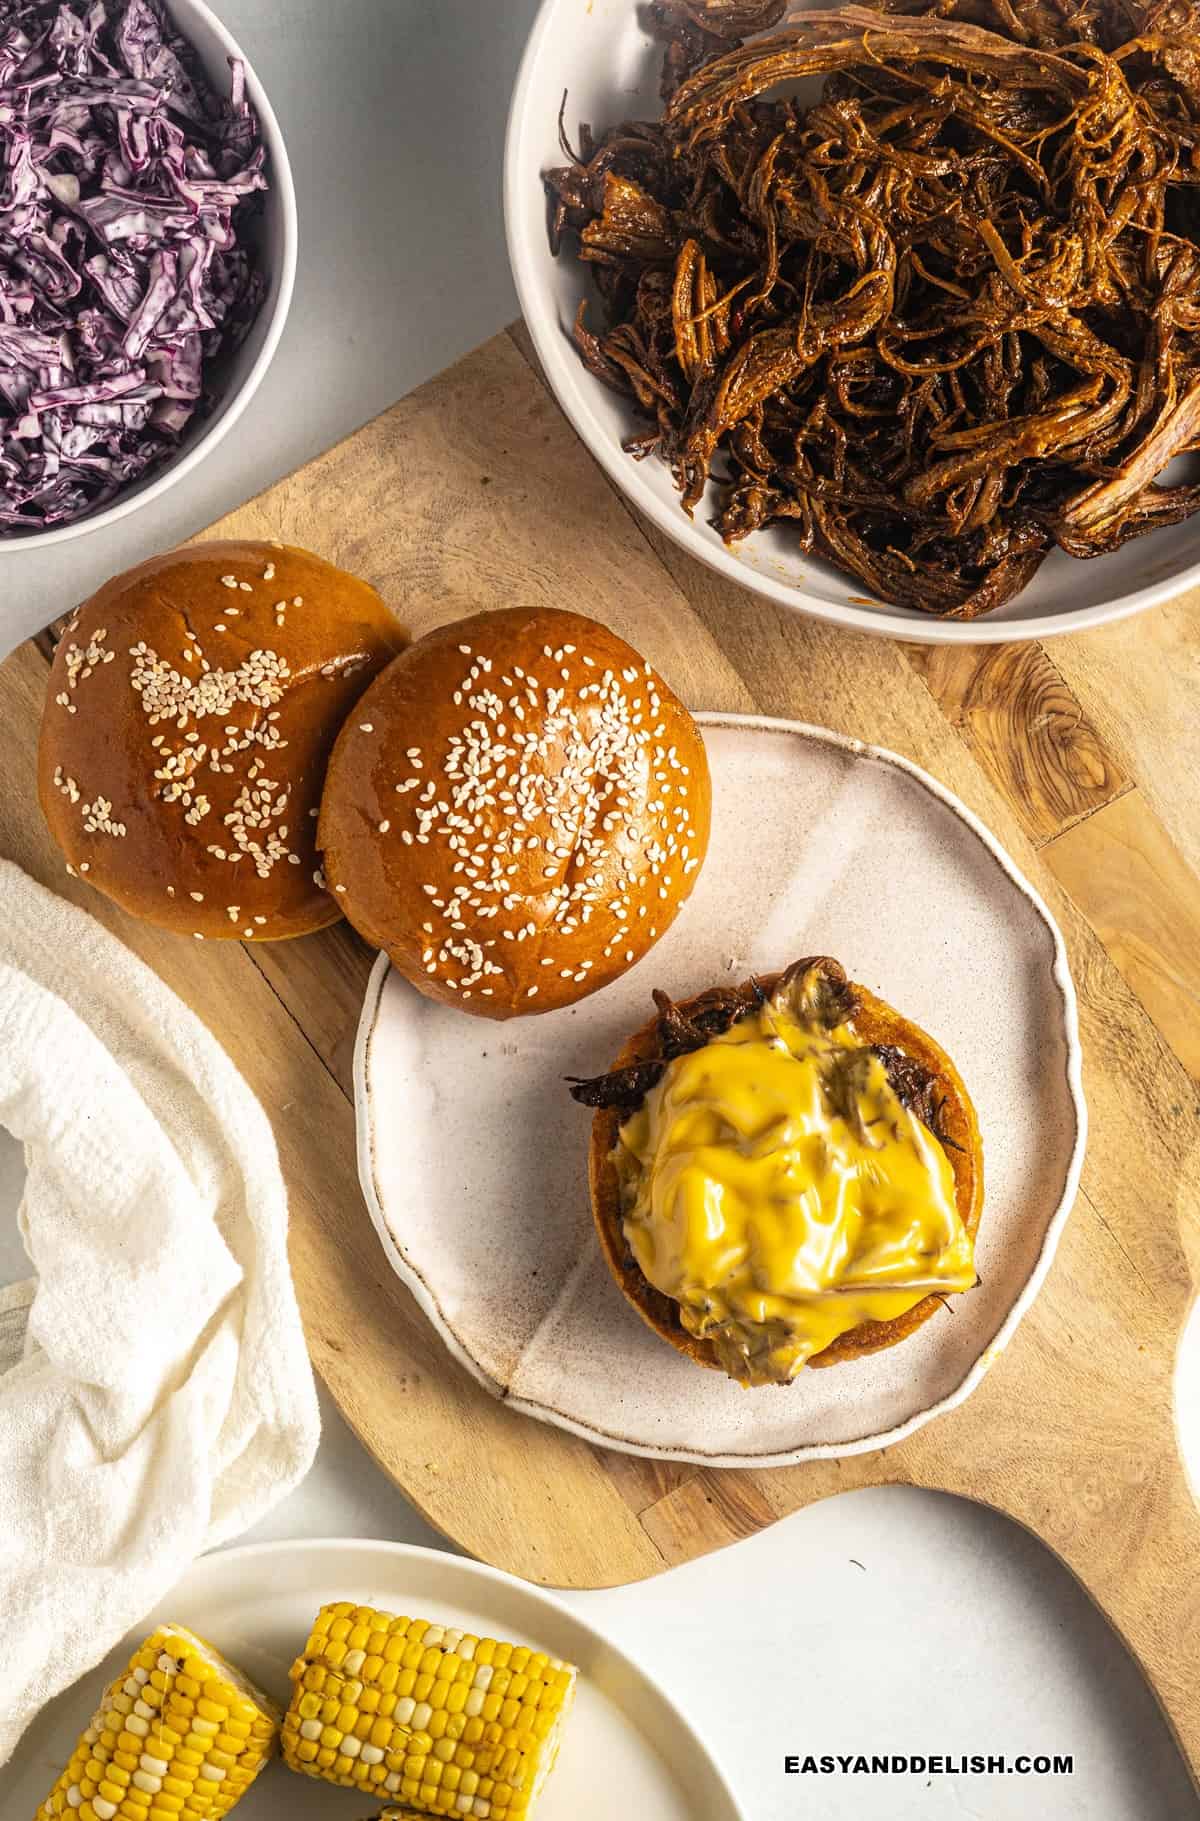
x,y
776,1189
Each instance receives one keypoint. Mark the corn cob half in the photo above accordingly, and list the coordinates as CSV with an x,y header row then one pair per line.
x,y
447,1723
179,1737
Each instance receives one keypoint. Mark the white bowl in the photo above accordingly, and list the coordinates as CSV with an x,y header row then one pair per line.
x,y
599,53
236,376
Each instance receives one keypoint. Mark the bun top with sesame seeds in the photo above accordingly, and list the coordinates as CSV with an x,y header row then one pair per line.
x,y
193,702
516,811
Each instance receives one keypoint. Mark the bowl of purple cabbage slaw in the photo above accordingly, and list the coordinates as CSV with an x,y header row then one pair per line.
x,y
148,241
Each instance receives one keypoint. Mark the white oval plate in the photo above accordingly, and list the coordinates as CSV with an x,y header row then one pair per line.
x,y
473,1156
626,1749
601,55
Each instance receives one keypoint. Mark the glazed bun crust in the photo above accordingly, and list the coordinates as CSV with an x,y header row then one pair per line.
x,y
874,1022
192,707
516,811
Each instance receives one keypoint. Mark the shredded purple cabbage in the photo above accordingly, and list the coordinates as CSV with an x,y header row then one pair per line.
x,y
125,185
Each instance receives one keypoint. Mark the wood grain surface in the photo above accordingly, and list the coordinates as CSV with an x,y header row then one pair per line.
x,y
1083,757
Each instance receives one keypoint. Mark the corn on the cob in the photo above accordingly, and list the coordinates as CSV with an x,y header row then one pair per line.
x,y
447,1723
179,1737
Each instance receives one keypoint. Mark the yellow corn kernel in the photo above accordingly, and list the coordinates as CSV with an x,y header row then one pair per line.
x,y
152,1752
441,1722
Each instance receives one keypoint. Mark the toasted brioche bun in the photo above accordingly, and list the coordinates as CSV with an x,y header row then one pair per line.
x,y
192,706
874,1022
516,811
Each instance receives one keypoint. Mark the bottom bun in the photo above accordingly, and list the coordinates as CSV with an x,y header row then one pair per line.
x,y
875,1024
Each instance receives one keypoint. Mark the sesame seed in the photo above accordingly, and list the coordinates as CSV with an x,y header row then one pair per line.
x,y
340,889
229,581
366,727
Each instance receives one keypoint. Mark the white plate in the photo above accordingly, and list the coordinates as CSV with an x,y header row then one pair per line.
x,y
473,1156
600,54
626,1750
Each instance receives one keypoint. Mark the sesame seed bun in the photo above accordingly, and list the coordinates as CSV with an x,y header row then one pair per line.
x,y
516,811
874,1022
192,706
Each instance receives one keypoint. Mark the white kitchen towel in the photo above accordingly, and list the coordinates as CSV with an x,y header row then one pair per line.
x,y
155,1391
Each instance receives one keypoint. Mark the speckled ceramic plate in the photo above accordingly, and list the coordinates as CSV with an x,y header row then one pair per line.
x,y
473,1156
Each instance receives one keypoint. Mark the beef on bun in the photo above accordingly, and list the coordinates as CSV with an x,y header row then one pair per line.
x,y
784,1174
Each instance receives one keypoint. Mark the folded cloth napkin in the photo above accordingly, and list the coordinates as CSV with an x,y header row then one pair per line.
x,y
155,1391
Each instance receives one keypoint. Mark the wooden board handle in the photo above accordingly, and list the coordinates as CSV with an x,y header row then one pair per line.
x,y
1079,1446
1073,1435
1152,1599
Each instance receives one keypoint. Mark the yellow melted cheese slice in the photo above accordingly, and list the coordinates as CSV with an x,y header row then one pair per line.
x,y
774,1186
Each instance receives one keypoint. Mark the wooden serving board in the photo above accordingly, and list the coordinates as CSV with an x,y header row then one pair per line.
x,y
1084,757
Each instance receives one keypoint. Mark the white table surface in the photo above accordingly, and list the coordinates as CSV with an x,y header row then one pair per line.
x,y
886,1621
